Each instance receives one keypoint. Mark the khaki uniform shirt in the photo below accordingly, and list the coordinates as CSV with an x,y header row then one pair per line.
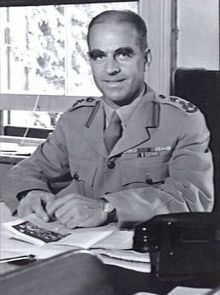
x,y
162,163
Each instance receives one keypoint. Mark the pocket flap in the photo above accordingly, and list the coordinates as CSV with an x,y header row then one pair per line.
x,y
148,174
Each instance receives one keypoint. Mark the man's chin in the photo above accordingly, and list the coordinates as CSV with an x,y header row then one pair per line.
x,y
118,100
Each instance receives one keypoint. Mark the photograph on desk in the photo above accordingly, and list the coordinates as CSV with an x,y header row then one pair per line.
x,y
33,233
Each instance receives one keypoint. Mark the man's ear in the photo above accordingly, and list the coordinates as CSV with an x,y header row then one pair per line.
x,y
147,57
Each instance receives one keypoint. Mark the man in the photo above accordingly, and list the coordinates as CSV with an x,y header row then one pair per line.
x,y
154,160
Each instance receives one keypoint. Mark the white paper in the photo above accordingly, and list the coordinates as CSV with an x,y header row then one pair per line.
x,y
188,291
125,258
119,239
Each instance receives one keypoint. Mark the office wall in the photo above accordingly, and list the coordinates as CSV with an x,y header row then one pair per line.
x,y
198,37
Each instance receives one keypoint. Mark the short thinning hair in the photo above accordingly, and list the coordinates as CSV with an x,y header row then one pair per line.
x,y
118,16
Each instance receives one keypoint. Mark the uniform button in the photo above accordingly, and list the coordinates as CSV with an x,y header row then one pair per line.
x,y
90,99
111,164
76,176
149,181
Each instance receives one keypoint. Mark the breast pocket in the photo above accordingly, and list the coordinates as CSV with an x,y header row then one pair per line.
x,y
139,172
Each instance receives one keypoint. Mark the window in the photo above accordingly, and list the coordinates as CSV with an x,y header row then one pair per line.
x,y
43,51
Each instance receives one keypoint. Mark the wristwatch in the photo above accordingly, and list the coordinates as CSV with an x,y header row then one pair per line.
x,y
110,211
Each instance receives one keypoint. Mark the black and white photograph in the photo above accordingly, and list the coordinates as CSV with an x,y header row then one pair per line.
x,y
109,137
36,233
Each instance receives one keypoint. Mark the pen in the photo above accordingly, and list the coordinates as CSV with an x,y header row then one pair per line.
x,y
23,154
8,151
18,258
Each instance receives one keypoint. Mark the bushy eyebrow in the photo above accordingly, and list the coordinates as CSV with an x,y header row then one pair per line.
x,y
122,50
95,53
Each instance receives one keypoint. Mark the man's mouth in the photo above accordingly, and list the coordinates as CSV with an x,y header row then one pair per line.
x,y
114,82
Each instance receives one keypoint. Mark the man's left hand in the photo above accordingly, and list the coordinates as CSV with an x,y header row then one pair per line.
x,y
74,210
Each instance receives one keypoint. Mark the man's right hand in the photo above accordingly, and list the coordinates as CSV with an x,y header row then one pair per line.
x,y
35,202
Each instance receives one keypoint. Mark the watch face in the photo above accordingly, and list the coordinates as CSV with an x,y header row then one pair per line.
x,y
108,208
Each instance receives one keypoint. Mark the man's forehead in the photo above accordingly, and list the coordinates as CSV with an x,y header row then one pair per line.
x,y
112,24
112,36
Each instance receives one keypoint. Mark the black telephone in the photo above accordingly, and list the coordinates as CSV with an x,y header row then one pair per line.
x,y
181,245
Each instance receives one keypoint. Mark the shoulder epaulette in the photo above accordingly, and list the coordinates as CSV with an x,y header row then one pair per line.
x,y
84,102
178,102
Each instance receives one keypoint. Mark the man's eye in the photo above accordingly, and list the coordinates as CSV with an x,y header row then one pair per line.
x,y
99,57
123,56
96,56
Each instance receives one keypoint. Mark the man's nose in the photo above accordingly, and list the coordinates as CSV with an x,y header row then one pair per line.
x,y
112,66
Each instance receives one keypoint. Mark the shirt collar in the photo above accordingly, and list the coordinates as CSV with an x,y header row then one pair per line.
x,y
124,112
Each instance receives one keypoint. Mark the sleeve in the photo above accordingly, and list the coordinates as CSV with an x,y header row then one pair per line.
x,y
189,183
48,163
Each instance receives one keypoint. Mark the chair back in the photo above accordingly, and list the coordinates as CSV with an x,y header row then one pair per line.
x,y
202,88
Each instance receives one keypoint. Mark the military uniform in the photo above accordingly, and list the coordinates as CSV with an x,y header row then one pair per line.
x,y
161,164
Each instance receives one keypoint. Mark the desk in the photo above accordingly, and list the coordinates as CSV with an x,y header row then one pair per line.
x,y
82,274
66,274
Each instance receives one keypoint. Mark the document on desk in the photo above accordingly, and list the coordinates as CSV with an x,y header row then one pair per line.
x,y
33,236
37,232
125,258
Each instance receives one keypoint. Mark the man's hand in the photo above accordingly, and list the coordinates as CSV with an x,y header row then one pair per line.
x,y
36,201
74,210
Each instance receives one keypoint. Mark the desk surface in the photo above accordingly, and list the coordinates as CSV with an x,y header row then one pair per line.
x,y
85,274
66,274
